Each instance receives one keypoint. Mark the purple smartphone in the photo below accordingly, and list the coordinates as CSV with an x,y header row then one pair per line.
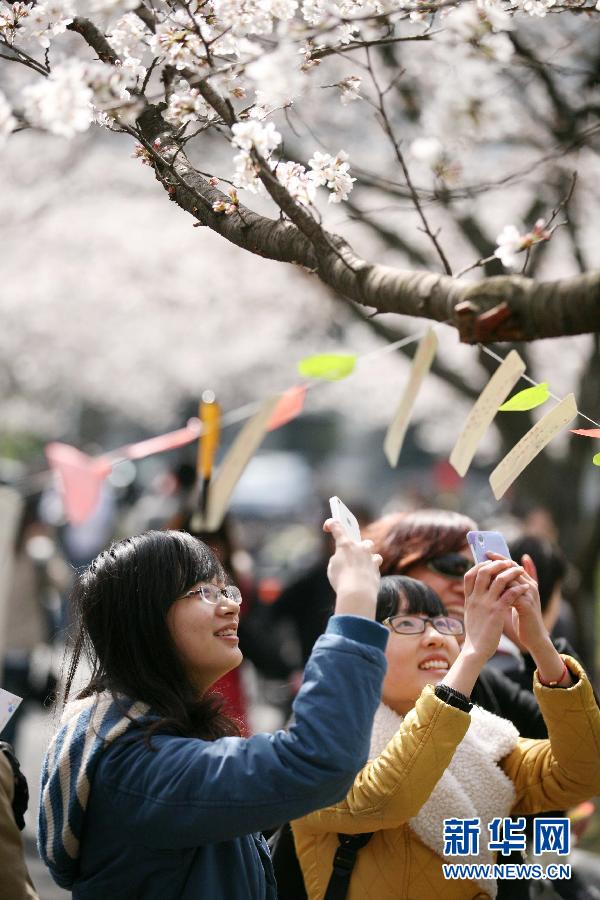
x,y
484,542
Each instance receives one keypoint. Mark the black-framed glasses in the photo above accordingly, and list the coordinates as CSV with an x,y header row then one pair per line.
x,y
417,624
213,594
450,565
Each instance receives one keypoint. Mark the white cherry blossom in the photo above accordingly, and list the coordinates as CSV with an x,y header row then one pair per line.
x,y
186,105
537,8
49,19
510,243
350,88
13,20
176,40
427,150
61,103
333,172
255,135
277,76
298,182
246,173
129,36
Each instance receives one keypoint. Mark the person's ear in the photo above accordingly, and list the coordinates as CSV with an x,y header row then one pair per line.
x,y
529,566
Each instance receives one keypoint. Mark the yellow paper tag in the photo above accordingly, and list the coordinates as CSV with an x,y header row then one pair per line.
x,y
527,399
330,366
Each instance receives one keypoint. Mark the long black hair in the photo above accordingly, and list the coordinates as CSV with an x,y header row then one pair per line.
x,y
397,593
120,606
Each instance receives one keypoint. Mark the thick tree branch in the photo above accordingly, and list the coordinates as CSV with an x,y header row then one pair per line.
x,y
506,307
96,40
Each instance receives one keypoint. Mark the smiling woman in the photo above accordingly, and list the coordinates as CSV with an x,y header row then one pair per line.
x,y
423,641
147,789
435,757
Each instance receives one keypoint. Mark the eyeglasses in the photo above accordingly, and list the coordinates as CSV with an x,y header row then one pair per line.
x,y
417,624
213,594
450,565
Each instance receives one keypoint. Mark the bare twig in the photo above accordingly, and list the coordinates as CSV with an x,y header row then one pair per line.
x,y
387,127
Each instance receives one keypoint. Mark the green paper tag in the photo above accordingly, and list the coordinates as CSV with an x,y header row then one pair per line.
x,y
527,399
332,366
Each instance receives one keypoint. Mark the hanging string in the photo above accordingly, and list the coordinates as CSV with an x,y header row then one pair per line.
x,y
37,481
535,383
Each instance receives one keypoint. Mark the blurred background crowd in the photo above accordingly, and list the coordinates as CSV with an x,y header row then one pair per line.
x,y
272,544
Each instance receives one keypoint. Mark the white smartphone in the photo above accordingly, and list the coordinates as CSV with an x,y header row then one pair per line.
x,y
484,542
341,513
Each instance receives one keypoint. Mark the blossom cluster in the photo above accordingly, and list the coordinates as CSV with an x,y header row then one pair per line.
x,y
187,105
329,171
511,242
68,100
25,22
262,52
482,29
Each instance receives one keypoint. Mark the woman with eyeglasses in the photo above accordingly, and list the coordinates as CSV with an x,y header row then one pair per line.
x,y
435,757
148,792
431,546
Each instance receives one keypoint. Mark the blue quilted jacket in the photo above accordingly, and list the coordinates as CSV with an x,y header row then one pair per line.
x,y
120,822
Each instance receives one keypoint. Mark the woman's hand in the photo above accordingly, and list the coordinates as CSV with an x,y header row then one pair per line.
x,y
353,572
531,632
527,618
490,589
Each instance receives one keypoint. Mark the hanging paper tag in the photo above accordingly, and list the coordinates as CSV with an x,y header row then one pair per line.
x,y
80,478
531,444
288,408
587,432
421,365
238,457
8,707
169,441
482,414
527,399
331,366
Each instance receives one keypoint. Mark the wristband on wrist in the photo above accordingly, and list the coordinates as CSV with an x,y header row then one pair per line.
x,y
453,697
557,681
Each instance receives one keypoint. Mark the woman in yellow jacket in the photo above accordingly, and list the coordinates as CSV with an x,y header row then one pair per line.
x,y
434,757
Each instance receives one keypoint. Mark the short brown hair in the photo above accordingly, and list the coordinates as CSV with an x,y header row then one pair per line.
x,y
406,538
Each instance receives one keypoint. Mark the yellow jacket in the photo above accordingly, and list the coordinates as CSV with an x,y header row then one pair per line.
x,y
390,790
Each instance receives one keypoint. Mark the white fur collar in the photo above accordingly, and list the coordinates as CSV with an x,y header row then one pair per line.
x,y
473,785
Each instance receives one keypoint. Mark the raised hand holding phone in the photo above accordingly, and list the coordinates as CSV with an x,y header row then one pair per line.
x,y
484,542
353,572
532,634
341,513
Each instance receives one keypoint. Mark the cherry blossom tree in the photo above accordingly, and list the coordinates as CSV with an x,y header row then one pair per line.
x,y
443,105
455,141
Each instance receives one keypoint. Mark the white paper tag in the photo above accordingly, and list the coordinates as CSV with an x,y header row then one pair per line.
x,y
421,365
484,410
238,457
8,706
531,444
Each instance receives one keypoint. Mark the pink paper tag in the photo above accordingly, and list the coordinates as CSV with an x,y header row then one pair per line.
x,y
290,405
587,432
80,478
163,442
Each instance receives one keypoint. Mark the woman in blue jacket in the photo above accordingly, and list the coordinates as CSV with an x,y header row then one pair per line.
x,y
147,791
